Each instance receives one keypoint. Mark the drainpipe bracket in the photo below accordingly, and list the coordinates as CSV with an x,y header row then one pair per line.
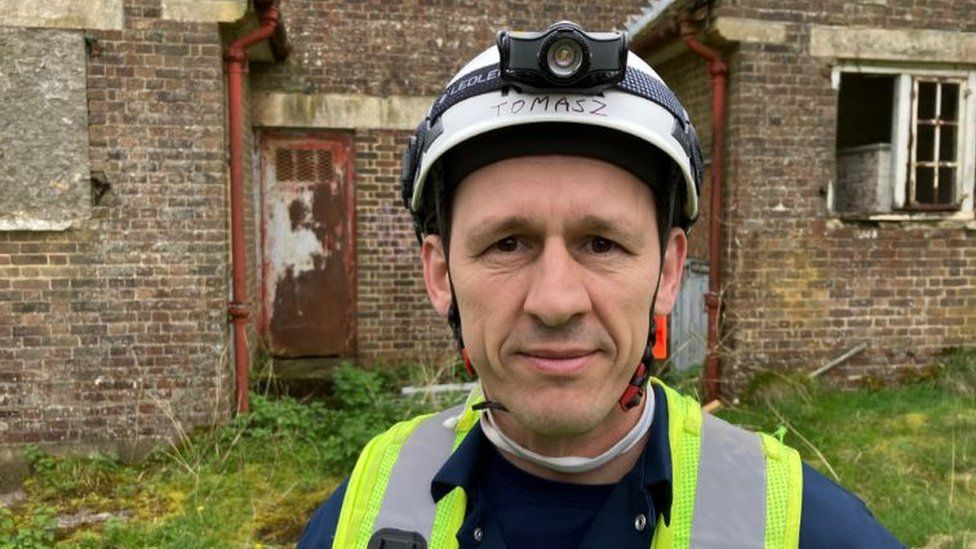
x,y
237,311
713,301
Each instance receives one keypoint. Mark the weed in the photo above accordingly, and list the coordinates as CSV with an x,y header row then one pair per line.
x,y
60,477
771,387
957,372
36,533
687,381
365,405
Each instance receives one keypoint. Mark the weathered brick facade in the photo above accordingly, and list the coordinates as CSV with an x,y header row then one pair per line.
x,y
802,284
114,330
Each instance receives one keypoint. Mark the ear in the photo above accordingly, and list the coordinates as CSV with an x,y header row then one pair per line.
x,y
436,275
674,263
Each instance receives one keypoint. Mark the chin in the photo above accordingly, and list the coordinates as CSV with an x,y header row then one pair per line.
x,y
554,416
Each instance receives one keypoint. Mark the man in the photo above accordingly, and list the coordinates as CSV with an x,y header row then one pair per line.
x,y
552,185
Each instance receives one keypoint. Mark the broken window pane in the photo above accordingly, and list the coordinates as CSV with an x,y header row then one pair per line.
x,y
946,188
864,119
864,109
926,100
924,183
925,150
947,144
950,102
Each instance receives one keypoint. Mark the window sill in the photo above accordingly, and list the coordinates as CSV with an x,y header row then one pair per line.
x,y
943,220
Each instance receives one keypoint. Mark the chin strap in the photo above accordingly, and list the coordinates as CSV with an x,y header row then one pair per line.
x,y
567,464
489,405
467,363
638,382
634,392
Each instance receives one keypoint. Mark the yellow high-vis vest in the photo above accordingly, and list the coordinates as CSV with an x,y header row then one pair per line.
x,y
732,488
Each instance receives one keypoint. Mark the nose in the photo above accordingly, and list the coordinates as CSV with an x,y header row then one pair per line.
x,y
557,292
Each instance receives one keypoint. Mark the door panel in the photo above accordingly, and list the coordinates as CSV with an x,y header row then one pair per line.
x,y
308,244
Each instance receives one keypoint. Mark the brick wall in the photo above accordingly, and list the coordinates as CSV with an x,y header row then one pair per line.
x,y
687,74
395,319
931,14
367,47
111,332
801,285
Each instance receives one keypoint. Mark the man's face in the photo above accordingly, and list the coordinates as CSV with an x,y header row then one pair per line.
x,y
554,261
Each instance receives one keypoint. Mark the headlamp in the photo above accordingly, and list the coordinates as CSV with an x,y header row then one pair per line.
x,y
564,58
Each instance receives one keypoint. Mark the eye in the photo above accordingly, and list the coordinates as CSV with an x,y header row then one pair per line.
x,y
600,245
509,244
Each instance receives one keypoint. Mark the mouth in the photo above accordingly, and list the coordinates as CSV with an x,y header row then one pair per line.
x,y
558,362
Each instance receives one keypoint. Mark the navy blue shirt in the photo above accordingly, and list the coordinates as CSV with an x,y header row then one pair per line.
x,y
511,508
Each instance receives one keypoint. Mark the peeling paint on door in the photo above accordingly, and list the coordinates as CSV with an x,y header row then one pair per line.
x,y
308,243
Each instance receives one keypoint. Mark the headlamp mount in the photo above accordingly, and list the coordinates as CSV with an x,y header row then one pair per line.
x,y
562,58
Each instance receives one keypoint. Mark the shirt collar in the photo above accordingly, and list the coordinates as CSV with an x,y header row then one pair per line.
x,y
461,469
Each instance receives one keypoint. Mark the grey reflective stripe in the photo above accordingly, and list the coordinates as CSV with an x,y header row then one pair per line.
x,y
407,504
730,500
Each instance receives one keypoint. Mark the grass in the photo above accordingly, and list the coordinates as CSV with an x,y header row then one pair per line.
x,y
235,486
909,452
252,483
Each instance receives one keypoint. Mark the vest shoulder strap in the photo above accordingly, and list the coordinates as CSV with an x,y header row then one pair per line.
x,y
407,456
731,487
684,437
784,493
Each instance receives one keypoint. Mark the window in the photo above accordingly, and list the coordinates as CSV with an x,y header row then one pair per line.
x,y
906,142
934,139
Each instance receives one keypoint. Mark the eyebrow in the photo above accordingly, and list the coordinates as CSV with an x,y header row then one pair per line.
x,y
623,232
490,229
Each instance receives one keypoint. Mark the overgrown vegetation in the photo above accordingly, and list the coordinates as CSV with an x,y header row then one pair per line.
x,y
909,452
253,481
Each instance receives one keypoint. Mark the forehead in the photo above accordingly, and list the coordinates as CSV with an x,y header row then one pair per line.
x,y
553,186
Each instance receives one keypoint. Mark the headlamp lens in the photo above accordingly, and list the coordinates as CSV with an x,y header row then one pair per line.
x,y
565,57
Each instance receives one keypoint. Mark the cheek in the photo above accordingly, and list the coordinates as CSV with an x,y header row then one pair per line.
x,y
627,318
489,311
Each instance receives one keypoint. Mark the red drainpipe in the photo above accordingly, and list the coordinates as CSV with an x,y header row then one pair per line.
x,y
236,58
719,71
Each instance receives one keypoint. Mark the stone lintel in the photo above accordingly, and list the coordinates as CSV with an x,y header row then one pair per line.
x,y
914,45
276,109
757,31
62,14
204,11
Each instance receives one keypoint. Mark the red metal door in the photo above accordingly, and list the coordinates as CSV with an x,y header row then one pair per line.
x,y
309,244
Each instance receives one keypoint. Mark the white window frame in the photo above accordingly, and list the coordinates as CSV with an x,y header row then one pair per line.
x,y
903,123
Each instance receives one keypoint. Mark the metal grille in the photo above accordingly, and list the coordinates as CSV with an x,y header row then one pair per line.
x,y
324,163
284,165
304,165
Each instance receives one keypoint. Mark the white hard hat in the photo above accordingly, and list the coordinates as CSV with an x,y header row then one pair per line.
x,y
479,103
